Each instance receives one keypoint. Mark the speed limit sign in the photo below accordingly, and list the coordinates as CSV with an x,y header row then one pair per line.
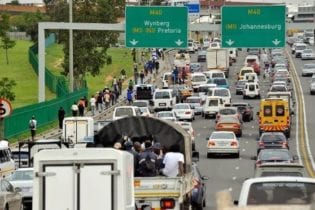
x,y
5,108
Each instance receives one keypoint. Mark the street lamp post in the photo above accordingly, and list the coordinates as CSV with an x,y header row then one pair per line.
x,y
71,85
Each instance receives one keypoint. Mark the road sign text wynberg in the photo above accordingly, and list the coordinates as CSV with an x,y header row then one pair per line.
x,y
253,26
158,27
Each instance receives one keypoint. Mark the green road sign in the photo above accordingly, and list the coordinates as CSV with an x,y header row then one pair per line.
x,y
253,26
156,27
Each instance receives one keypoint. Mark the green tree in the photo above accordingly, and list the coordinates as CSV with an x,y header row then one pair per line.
x,y
6,92
89,47
31,23
6,43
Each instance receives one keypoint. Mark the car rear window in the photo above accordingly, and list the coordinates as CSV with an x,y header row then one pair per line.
x,y
193,100
273,137
268,111
279,110
213,103
221,92
161,95
124,112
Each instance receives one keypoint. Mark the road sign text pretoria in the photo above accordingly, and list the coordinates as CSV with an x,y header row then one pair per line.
x,y
253,12
156,26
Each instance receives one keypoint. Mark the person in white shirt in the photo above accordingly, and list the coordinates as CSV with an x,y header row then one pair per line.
x,y
92,104
173,162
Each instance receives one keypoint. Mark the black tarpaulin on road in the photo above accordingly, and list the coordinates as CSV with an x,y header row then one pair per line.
x,y
140,129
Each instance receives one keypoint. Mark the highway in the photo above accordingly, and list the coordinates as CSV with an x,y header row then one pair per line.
x,y
228,173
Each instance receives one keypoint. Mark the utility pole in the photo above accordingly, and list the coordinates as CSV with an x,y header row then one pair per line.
x,y
71,85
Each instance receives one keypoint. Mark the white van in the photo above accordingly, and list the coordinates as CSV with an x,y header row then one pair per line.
x,y
7,164
221,92
198,79
251,59
167,76
211,106
163,99
216,73
126,111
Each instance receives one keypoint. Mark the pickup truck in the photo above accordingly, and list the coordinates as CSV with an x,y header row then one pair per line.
x,y
159,191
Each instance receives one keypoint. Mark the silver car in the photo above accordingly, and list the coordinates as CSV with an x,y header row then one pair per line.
x,y
196,103
10,198
308,54
223,142
308,69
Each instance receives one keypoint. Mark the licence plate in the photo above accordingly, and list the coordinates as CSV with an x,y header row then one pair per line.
x,y
222,143
162,104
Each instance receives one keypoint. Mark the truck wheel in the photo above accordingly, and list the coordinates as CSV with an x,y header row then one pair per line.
x,y
288,134
197,207
237,155
209,155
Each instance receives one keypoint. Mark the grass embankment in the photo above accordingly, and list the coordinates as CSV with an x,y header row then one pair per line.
x,y
21,71
121,58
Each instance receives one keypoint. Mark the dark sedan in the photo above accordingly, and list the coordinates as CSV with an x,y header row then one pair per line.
x,y
198,194
272,140
245,109
274,156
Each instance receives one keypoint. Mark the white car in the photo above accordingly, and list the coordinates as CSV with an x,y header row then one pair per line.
x,y
126,111
184,111
23,179
211,106
9,196
308,69
251,90
196,103
278,88
308,54
166,115
276,190
312,88
223,142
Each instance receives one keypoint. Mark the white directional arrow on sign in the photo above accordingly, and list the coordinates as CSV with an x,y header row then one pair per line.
x,y
229,42
133,42
276,42
179,42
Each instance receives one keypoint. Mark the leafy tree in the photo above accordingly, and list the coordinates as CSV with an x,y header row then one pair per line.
x,y
6,86
6,43
89,47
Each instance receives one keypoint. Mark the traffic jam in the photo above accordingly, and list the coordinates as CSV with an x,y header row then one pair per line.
x,y
196,118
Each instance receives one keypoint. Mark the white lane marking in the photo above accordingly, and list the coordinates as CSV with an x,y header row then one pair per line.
x,y
240,158
198,134
230,189
243,150
250,134
253,127
234,177
204,127
310,155
237,168
246,142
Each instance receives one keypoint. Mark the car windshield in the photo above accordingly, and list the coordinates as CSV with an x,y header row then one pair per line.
x,y
193,100
219,81
161,95
221,92
227,111
245,71
165,114
274,155
199,78
181,106
308,51
221,135
280,192
217,75
241,82
309,66
273,137
22,175
124,112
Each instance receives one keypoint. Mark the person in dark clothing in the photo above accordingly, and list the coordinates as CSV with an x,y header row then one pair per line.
x,y
61,116
129,148
141,77
129,96
146,157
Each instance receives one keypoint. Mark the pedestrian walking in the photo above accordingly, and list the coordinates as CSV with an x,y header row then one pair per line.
x,y
114,84
119,83
99,101
122,74
107,99
74,109
32,126
93,104
135,73
61,116
81,107
129,96
141,77
130,85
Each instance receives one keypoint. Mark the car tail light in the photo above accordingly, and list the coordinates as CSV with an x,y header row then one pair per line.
x,y
236,126
167,203
234,143
211,143
261,143
258,163
285,144
187,112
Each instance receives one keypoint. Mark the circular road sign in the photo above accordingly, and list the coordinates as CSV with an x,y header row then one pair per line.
x,y
5,108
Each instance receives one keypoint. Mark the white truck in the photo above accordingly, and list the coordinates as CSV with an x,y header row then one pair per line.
x,y
83,178
159,192
77,129
219,59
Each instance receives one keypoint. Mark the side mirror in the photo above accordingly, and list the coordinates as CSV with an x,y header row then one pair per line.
x,y
195,156
257,113
253,157
235,202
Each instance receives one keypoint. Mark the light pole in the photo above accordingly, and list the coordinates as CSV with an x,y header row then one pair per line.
x,y
70,49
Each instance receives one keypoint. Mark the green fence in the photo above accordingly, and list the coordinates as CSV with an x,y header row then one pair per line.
x,y
45,112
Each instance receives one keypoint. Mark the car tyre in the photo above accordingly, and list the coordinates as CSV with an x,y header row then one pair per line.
x,y
209,155
240,134
197,206
237,155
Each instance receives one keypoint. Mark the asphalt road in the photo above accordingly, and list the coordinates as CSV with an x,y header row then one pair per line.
x,y
227,173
